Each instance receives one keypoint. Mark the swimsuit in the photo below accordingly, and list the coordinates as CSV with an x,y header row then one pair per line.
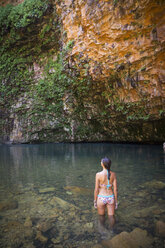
x,y
108,185
107,199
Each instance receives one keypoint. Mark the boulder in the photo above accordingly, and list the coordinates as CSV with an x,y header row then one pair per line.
x,y
138,238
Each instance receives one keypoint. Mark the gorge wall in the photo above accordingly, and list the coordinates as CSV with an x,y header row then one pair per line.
x,y
76,70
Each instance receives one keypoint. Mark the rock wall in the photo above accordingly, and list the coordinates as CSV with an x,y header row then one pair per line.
x,y
92,71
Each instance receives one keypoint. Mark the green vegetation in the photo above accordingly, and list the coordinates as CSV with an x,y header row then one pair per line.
x,y
137,116
21,15
51,88
14,76
19,50
115,2
22,43
143,68
161,112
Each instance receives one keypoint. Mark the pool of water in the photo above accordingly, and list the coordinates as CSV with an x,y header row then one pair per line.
x,y
46,193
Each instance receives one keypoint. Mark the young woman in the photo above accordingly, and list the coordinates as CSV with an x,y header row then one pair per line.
x,y
104,196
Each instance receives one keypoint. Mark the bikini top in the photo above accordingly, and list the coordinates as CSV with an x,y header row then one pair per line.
x,y
108,185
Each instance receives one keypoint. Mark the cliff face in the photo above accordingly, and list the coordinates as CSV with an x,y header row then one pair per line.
x,y
84,71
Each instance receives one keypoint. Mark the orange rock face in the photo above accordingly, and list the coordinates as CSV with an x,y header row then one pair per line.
x,y
127,37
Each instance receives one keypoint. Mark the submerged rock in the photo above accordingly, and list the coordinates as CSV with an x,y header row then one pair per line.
x,y
47,190
44,226
41,238
69,193
30,245
56,240
138,238
97,246
16,234
58,202
78,190
155,184
142,194
13,225
88,225
28,222
160,228
142,213
7,205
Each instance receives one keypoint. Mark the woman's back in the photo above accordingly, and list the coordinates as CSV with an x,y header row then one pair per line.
x,y
105,185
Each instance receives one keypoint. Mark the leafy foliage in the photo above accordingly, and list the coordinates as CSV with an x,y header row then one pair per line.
x,y
4,20
21,15
56,81
17,52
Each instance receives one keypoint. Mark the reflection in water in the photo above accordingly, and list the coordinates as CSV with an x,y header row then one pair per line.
x,y
53,185
28,163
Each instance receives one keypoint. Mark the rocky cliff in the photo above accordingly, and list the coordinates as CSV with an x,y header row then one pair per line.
x,y
76,70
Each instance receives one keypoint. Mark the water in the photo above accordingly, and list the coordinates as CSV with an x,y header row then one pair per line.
x,y
46,193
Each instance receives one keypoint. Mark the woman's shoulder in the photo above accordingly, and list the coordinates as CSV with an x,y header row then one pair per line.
x,y
98,174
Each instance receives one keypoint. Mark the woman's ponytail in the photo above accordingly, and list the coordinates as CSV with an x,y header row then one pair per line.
x,y
109,174
107,164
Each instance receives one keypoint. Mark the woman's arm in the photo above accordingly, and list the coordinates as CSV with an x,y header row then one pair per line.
x,y
96,190
115,189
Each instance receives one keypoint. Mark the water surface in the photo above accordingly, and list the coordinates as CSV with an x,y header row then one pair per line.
x,y
46,192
